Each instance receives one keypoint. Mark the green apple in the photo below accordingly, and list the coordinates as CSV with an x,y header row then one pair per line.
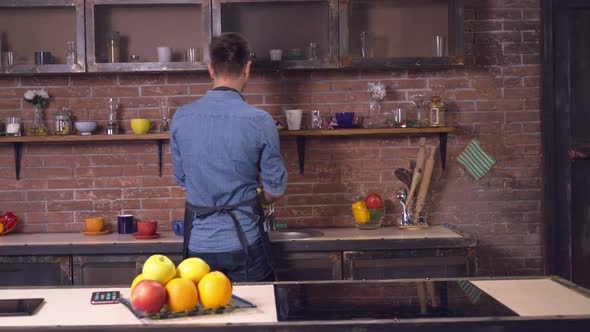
x,y
159,268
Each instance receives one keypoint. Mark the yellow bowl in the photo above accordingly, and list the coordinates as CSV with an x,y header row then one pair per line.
x,y
140,126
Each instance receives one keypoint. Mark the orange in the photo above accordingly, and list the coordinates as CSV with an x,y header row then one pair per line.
x,y
192,268
136,280
182,295
214,290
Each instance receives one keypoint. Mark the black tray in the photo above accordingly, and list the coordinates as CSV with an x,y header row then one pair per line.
x,y
235,303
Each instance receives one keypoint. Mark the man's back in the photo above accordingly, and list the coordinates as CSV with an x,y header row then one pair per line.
x,y
217,144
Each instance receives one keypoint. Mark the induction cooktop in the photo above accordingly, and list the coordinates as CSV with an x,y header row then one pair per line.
x,y
385,300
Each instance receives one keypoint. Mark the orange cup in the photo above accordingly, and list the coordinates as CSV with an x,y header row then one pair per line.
x,y
147,227
94,224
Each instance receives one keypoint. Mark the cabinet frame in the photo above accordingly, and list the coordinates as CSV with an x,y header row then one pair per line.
x,y
80,66
64,262
332,62
455,42
94,66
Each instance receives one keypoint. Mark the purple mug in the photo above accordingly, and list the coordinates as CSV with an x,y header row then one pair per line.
x,y
345,119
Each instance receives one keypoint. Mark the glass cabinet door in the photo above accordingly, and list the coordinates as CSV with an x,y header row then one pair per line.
x,y
401,32
147,35
288,34
39,36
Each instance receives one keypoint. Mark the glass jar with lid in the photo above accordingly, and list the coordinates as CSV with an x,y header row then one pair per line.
x,y
436,110
63,121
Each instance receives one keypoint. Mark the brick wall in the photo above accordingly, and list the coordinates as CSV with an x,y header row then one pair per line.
x,y
496,96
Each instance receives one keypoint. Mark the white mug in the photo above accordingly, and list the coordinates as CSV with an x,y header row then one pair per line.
x,y
276,54
164,54
293,119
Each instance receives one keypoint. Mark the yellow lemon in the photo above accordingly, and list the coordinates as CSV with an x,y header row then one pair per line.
x,y
136,280
192,268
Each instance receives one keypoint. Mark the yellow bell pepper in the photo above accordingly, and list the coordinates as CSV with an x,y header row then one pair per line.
x,y
360,212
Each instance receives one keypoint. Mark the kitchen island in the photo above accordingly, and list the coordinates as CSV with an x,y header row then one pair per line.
x,y
503,304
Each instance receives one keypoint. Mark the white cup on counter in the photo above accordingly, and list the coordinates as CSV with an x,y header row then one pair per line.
x,y
276,54
164,54
293,119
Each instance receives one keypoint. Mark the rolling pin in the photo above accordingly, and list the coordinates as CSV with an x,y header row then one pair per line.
x,y
420,158
424,184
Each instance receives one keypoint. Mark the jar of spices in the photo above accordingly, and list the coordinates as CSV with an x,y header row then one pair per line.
x,y
63,121
436,110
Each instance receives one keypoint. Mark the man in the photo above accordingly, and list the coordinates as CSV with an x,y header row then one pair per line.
x,y
220,147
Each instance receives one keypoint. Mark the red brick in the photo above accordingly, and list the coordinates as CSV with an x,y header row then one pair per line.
x,y
9,104
8,82
201,89
46,172
471,94
141,79
69,184
287,99
528,59
497,37
44,81
49,195
532,14
53,217
146,193
93,80
521,3
162,203
178,78
96,194
522,93
164,90
522,48
448,84
56,206
12,92
115,92
484,13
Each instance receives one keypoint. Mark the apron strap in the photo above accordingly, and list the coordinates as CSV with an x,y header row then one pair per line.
x,y
193,212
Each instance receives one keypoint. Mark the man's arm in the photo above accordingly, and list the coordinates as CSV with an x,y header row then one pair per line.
x,y
272,168
179,175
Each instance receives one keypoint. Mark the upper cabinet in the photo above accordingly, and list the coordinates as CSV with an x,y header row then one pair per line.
x,y
40,36
392,33
147,35
69,36
283,33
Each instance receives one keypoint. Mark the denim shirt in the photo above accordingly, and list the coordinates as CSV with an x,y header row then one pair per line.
x,y
217,144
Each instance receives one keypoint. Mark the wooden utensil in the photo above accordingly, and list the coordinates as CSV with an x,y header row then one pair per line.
x,y
425,184
419,170
404,176
415,181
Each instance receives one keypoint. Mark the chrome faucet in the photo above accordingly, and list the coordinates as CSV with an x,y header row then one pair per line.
x,y
402,195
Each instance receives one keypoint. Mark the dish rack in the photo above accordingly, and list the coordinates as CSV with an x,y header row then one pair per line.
x,y
8,221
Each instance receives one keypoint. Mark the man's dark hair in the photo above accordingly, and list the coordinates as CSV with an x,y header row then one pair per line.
x,y
229,54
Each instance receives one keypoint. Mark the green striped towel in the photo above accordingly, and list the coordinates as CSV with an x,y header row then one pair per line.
x,y
475,160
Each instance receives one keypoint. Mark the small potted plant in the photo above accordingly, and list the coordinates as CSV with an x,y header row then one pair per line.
x,y
39,99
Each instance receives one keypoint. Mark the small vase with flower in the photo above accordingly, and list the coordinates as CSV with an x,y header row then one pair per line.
x,y
39,99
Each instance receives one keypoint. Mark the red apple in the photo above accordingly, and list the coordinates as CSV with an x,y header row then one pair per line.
x,y
148,296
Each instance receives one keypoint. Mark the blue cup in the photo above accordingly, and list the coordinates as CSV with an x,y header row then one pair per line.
x,y
178,227
125,224
345,119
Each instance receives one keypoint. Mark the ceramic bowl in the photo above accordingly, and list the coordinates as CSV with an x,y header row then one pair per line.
x,y
178,227
85,127
140,126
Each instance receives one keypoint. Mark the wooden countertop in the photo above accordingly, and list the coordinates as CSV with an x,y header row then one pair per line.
x,y
71,307
333,239
529,297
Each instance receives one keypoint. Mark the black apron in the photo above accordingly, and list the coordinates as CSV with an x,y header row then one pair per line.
x,y
193,212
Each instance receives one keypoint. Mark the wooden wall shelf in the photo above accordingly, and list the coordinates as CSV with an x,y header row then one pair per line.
x,y
302,134
17,142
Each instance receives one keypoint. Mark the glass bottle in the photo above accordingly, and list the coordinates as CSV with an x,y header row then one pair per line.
x,y
71,54
312,51
113,54
165,125
63,121
112,126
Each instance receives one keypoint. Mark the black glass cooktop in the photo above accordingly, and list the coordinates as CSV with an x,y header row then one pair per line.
x,y
385,300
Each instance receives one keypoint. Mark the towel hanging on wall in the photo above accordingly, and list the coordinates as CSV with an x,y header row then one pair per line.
x,y
475,160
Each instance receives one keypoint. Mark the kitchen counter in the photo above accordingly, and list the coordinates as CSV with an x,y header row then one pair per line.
x,y
333,239
538,303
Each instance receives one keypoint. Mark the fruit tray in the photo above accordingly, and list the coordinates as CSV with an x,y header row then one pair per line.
x,y
235,303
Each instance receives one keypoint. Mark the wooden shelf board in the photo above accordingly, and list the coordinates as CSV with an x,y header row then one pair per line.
x,y
83,138
371,131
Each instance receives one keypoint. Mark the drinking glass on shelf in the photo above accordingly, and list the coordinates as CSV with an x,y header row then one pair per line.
x,y
13,126
164,111
439,46
71,53
7,61
365,45
312,51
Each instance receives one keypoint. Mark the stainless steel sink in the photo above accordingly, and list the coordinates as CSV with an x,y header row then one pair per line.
x,y
291,234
